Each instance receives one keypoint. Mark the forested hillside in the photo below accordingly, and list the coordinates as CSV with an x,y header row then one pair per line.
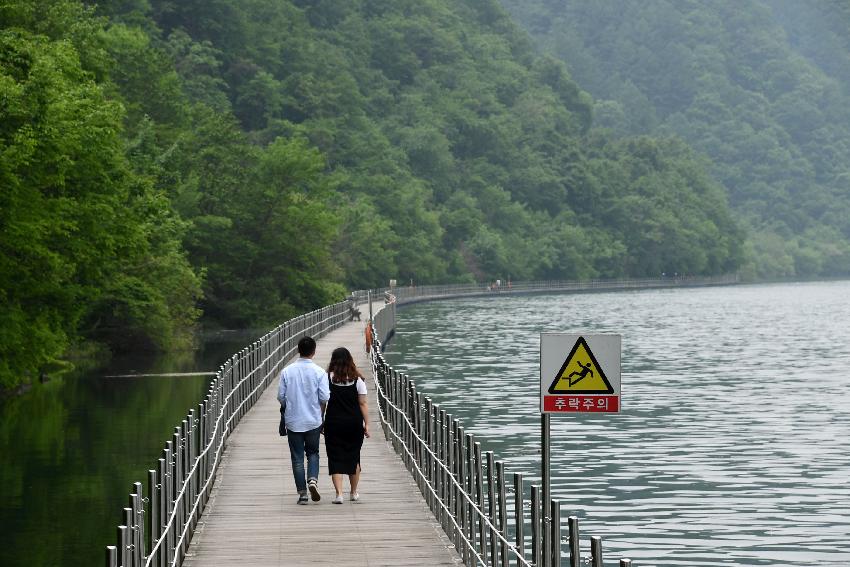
x,y
762,87
250,159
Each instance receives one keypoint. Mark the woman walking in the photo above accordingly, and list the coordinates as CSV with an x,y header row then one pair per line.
x,y
346,421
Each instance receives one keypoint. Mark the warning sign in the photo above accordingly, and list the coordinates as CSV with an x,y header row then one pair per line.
x,y
579,373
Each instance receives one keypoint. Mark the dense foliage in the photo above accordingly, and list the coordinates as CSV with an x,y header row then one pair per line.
x,y
255,158
762,87
86,243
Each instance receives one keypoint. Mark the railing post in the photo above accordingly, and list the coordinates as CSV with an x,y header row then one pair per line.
x,y
396,413
436,441
519,515
463,492
555,540
479,500
408,433
165,505
470,489
429,441
596,551
179,453
133,525
451,476
131,538
503,512
575,551
191,433
457,483
491,507
153,499
410,421
202,458
111,556
139,505
420,447
440,416
536,524
438,459
447,468
386,380
170,464
124,546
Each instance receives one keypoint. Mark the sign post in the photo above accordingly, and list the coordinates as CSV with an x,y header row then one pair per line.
x,y
547,486
578,374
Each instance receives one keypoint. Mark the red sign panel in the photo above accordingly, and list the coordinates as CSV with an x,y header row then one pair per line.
x,y
573,403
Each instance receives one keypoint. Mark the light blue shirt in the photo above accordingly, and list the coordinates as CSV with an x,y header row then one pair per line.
x,y
303,387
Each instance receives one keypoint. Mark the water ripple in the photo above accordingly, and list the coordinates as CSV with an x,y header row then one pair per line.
x,y
733,443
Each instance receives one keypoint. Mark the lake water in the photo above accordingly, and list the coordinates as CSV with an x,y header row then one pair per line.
x,y
72,447
733,443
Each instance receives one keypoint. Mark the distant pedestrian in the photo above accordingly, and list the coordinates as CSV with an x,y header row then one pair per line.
x,y
346,422
368,336
303,389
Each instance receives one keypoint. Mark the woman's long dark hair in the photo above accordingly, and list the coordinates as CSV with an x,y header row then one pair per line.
x,y
342,366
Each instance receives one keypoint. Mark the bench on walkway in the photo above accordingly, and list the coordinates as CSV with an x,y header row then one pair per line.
x,y
353,312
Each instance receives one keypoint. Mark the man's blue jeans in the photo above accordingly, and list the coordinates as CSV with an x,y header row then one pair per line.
x,y
299,443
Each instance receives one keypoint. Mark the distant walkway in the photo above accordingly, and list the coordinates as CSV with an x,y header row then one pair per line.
x,y
252,519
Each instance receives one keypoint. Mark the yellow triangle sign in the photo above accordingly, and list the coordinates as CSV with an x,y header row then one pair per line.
x,y
581,373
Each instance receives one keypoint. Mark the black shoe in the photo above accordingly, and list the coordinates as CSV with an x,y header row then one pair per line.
x,y
313,487
302,499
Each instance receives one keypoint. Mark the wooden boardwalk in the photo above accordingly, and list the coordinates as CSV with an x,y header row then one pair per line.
x,y
252,519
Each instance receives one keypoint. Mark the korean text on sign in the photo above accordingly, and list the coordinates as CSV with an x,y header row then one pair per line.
x,y
567,403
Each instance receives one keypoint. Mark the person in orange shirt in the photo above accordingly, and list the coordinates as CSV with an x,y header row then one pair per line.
x,y
368,336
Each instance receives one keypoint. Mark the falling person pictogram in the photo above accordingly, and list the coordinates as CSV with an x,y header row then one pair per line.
x,y
585,370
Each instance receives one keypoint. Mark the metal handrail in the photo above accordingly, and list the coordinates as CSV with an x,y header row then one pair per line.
x,y
180,486
415,462
413,293
452,474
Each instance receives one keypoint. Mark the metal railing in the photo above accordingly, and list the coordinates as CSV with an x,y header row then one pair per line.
x,y
157,528
465,488
412,294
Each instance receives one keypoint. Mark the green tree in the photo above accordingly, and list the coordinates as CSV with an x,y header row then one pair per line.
x,y
86,243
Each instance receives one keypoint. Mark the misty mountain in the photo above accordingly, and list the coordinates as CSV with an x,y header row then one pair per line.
x,y
760,87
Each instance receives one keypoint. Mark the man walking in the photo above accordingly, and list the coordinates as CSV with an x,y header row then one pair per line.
x,y
304,391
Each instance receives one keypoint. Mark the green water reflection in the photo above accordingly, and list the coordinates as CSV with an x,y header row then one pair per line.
x,y
72,447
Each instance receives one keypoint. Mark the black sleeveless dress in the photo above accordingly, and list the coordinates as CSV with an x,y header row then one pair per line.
x,y
343,429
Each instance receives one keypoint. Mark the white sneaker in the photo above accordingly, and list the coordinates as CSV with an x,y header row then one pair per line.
x,y
355,496
338,499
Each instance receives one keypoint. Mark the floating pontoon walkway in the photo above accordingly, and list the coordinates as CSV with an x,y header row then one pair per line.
x,y
252,519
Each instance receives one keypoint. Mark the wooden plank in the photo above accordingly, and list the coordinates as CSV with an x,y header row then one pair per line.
x,y
252,519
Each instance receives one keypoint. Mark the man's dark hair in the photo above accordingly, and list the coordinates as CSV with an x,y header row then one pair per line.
x,y
306,347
